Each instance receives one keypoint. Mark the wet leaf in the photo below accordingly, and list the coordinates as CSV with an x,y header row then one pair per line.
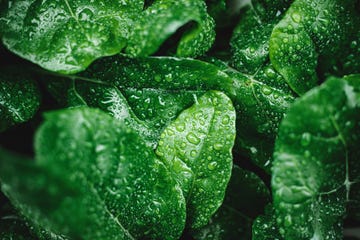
x,y
246,197
157,89
264,227
67,36
163,18
94,178
315,170
196,147
308,30
19,97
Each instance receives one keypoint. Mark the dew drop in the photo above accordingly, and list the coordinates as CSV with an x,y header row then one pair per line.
x,y
296,17
180,127
266,90
192,138
211,166
218,146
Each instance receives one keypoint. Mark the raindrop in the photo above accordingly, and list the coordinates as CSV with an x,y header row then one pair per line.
x,y
266,90
212,165
192,138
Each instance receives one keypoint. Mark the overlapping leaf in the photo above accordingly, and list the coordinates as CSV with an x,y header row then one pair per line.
x,y
67,36
316,169
308,30
197,147
245,199
94,178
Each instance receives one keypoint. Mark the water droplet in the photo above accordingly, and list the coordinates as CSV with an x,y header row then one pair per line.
x,y
225,119
218,146
85,14
192,138
157,78
180,127
296,17
266,90
193,153
212,165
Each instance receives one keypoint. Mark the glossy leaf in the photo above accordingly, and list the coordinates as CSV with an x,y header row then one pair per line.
x,y
162,86
197,147
264,227
250,42
261,102
68,36
95,178
246,196
316,169
308,30
163,18
270,9
19,97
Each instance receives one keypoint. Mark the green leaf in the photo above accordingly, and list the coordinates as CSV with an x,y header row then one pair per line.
x,y
94,178
163,86
264,227
66,36
246,197
250,42
261,101
147,92
12,226
270,9
196,147
308,30
316,167
163,18
19,97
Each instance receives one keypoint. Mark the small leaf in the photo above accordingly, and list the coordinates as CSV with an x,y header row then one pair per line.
x,y
19,97
163,18
196,147
316,167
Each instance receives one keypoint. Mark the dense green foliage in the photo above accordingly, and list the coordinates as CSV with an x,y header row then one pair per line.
x,y
166,119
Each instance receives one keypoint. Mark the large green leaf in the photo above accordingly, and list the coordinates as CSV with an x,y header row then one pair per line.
x,y
94,178
245,198
19,97
66,36
157,89
197,147
316,167
310,29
